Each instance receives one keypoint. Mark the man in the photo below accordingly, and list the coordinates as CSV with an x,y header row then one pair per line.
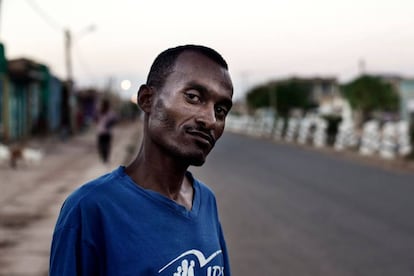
x,y
153,217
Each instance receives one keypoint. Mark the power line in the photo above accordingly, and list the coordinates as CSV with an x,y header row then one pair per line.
x,y
68,37
48,19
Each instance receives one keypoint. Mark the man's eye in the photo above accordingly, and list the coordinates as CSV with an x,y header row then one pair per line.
x,y
221,111
193,97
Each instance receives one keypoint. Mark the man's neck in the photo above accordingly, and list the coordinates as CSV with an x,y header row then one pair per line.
x,y
162,174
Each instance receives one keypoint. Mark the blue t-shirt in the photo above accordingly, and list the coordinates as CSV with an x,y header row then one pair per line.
x,y
111,226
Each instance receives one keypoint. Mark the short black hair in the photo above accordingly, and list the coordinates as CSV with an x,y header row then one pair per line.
x,y
165,61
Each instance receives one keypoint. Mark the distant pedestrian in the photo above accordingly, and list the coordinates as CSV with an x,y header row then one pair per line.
x,y
105,122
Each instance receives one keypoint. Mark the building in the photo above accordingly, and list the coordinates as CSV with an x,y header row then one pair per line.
x,y
324,93
3,90
30,100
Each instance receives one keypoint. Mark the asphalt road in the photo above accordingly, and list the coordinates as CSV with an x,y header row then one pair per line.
x,y
288,211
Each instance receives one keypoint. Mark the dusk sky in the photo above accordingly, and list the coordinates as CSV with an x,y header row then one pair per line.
x,y
261,40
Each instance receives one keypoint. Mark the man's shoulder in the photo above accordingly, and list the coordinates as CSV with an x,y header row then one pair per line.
x,y
91,192
82,201
101,184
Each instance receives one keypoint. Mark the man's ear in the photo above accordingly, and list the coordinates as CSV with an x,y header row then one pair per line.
x,y
145,98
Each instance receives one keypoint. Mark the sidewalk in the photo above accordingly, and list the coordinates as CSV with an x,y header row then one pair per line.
x,y
31,195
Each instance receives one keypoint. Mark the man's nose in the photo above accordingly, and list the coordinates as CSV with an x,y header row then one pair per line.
x,y
206,117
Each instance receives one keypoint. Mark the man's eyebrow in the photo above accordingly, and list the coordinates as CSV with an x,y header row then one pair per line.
x,y
198,87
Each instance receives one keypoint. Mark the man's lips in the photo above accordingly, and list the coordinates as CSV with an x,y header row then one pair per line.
x,y
205,136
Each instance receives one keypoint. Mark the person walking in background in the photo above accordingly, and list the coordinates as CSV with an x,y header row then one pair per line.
x,y
153,217
105,122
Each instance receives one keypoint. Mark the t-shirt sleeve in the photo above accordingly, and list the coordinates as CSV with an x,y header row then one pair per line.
x,y
63,255
70,255
225,253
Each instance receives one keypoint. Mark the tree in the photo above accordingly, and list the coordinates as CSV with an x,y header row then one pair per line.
x,y
293,93
370,93
258,96
283,95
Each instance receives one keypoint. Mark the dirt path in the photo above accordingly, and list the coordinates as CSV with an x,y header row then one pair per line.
x,y
31,195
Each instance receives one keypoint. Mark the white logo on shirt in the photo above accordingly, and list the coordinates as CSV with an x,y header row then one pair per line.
x,y
186,268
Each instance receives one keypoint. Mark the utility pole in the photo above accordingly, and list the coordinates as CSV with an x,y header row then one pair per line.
x,y
362,66
0,16
69,73
69,39
68,55
69,81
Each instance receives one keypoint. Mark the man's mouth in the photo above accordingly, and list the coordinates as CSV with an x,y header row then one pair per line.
x,y
203,136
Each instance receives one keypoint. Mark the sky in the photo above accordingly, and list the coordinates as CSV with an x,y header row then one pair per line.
x,y
261,40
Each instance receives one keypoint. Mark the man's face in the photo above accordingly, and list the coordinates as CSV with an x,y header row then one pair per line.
x,y
188,113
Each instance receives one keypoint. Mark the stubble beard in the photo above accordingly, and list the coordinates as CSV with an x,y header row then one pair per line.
x,y
166,124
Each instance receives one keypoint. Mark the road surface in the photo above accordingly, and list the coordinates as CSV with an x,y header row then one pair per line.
x,y
289,211
285,210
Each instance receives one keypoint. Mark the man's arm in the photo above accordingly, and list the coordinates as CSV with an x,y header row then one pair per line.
x,y
227,271
70,255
